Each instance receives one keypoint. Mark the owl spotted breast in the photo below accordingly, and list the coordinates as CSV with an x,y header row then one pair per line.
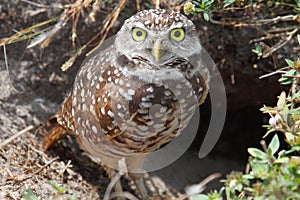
x,y
137,94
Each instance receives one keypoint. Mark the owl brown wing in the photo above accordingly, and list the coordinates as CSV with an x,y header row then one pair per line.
x,y
59,124
63,122
200,86
90,106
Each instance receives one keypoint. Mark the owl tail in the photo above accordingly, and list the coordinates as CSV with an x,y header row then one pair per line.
x,y
55,133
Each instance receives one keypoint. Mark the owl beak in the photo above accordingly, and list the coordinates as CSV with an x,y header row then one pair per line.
x,y
157,52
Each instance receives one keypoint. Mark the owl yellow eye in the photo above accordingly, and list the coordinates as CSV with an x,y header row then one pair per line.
x,y
177,34
138,34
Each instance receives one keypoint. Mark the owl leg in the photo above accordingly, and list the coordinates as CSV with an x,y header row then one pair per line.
x,y
112,173
136,165
138,179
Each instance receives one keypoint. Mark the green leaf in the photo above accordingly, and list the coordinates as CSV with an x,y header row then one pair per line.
x,y
248,176
281,101
228,3
285,81
269,131
206,16
289,136
260,170
256,153
289,62
296,148
199,197
58,189
196,3
266,109
215,195
298,36
208,2
282,160
73,197
28,195
285,113
257,50
291,72
274,145
292,150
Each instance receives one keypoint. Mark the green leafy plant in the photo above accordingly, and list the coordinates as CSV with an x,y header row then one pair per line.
x,y
204,6
295,5
274,172
257,50
289,76
28,195
195,7
59,193
58,189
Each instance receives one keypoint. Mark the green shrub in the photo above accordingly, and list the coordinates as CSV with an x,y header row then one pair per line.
x,y
274,172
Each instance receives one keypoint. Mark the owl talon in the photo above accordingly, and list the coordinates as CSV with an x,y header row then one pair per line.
x,y
138,179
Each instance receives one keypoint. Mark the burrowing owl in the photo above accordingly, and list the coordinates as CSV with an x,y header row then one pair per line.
x,y
138,93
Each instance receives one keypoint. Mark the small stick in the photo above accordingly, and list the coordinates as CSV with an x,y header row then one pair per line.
x,y
35,4
201,184
271,74
281,44
138,6
7,69
290,76
5,142
157,2
264,146
255,23
268,37
35,173
283,29
109,22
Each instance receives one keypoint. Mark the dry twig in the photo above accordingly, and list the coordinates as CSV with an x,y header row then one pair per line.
x,y
35,4
273,26
280,44
7,141
200,186
108,23
138,6
27,33
157,2
271,74
34,173
255,23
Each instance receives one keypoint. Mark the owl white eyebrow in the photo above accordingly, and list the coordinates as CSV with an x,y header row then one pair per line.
x,y
176,25
140,25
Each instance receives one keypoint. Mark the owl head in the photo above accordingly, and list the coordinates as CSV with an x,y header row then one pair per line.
x,y
157,36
